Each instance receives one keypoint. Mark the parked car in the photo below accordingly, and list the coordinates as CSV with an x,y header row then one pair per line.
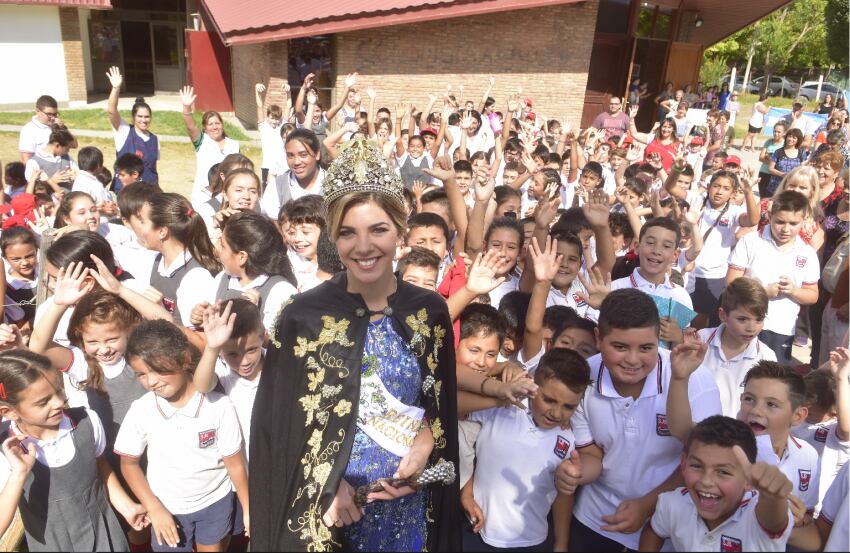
x,y
777,86
810,88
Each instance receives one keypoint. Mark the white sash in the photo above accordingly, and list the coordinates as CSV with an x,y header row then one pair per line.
x,y
389,422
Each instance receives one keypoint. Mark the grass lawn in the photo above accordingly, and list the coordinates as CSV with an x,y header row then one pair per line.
x,y
164,122
176,166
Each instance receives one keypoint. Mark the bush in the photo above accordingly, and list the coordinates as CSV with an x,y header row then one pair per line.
x,y
712,71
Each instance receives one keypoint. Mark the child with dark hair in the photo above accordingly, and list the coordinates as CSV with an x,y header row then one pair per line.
x,y
128,169
513,486
328,262
513,307
730,501
20,252
90,160
300,222
53,163
429,230
786,266
463,177
625,416
15,178
420,267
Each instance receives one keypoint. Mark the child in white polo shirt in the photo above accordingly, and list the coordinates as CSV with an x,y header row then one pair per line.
x,y
786,266
827,425
517,453
730,502
627,453
193,444
734,346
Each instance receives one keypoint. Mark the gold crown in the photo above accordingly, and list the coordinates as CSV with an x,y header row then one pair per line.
x,y
360,167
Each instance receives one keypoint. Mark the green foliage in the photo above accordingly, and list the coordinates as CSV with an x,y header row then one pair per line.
x,y
712,70
837,17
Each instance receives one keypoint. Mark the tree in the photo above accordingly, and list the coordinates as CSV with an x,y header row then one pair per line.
x,y
836,16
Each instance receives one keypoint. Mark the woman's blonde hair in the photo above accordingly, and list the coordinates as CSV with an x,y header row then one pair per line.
x,y
808,174
340,206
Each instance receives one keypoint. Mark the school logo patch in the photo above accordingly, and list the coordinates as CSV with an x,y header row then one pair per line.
x,y
820,434
805,477
579,300
661,427
724,222
169,304
206,438
728,543
140,153
801,261
562,446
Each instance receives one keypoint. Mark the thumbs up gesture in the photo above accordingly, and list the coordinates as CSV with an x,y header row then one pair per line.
x,y
767,479
568,474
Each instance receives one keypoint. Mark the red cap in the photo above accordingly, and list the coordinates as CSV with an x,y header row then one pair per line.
x,y
733,160
698,140
628,139
427,130
529,102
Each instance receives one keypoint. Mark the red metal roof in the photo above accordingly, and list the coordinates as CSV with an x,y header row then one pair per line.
x,y
90,4
249,21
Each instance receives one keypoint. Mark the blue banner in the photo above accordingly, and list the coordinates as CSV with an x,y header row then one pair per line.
x,y
812,121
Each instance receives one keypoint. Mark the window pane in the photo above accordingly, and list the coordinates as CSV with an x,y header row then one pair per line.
x,y
662,23
644,24
613,17
312,55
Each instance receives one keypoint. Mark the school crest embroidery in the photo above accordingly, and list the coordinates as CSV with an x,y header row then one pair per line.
x,y
820,434
805,477
728,543
579,300
724,222
206,438
801,261
169,304
661,427
562,446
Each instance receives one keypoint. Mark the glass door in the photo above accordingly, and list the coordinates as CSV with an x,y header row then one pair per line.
x,y
168,73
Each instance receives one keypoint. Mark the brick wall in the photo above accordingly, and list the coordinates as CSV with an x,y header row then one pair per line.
x,y
75,67
543,51
258,63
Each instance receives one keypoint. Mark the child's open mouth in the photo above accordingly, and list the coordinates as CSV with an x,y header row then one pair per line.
x,y
757,428
707,501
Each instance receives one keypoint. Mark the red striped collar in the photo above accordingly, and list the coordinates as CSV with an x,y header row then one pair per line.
x,y
659,370
175,410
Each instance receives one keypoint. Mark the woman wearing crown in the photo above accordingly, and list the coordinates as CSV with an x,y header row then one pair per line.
x,y
359,388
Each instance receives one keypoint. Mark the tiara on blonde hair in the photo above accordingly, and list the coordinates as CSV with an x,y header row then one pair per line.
x,y
360,167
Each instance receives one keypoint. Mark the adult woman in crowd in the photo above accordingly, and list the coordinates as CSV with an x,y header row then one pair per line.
x,y
136,139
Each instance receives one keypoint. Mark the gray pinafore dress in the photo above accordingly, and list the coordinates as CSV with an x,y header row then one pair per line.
x,y
66,508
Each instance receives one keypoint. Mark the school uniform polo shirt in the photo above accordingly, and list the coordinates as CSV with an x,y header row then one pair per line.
x,y
729,373
836,512
34,136
242,393
515,475
88,183
711,261
760,258
666,289
800,463
833,453
572,299
185,446
639,451
676,517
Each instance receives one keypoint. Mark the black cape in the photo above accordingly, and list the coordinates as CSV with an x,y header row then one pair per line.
x,y
305,413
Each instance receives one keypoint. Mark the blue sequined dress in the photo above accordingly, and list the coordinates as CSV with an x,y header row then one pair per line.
x,y
388,525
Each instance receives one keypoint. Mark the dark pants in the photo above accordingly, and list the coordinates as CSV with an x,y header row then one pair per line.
x,y
706,297
583,538
265,173
764,180
815,312
780,344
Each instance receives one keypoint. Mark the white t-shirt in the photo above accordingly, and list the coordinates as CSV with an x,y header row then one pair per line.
x,y
836,512
271,203
676,517
712,259
272,143
185,446
278,296
639,451
511,284
729,373
515,475
59,450
666,289
241,392
34,136
760,258
88,183
207,154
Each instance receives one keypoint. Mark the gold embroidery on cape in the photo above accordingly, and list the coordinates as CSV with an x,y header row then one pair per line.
x,y
318,406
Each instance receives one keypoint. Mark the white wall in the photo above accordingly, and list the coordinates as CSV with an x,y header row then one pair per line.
x,y
32,60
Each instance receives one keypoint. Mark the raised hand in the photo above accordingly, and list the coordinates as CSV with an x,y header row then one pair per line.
x,y
41,223
259,88
491,80
547,262
218,324
839,363
545,213
767,479
104,277
482,277
21,458
447,112
687,356
114,76
311,78
187,96
10,337
285,88
442,170
466,121
596,288
513,103
72,284
484,187
568,474
418,188
633,111
371,93
312,98
692,217
350,80
528,161
596,208
432,97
